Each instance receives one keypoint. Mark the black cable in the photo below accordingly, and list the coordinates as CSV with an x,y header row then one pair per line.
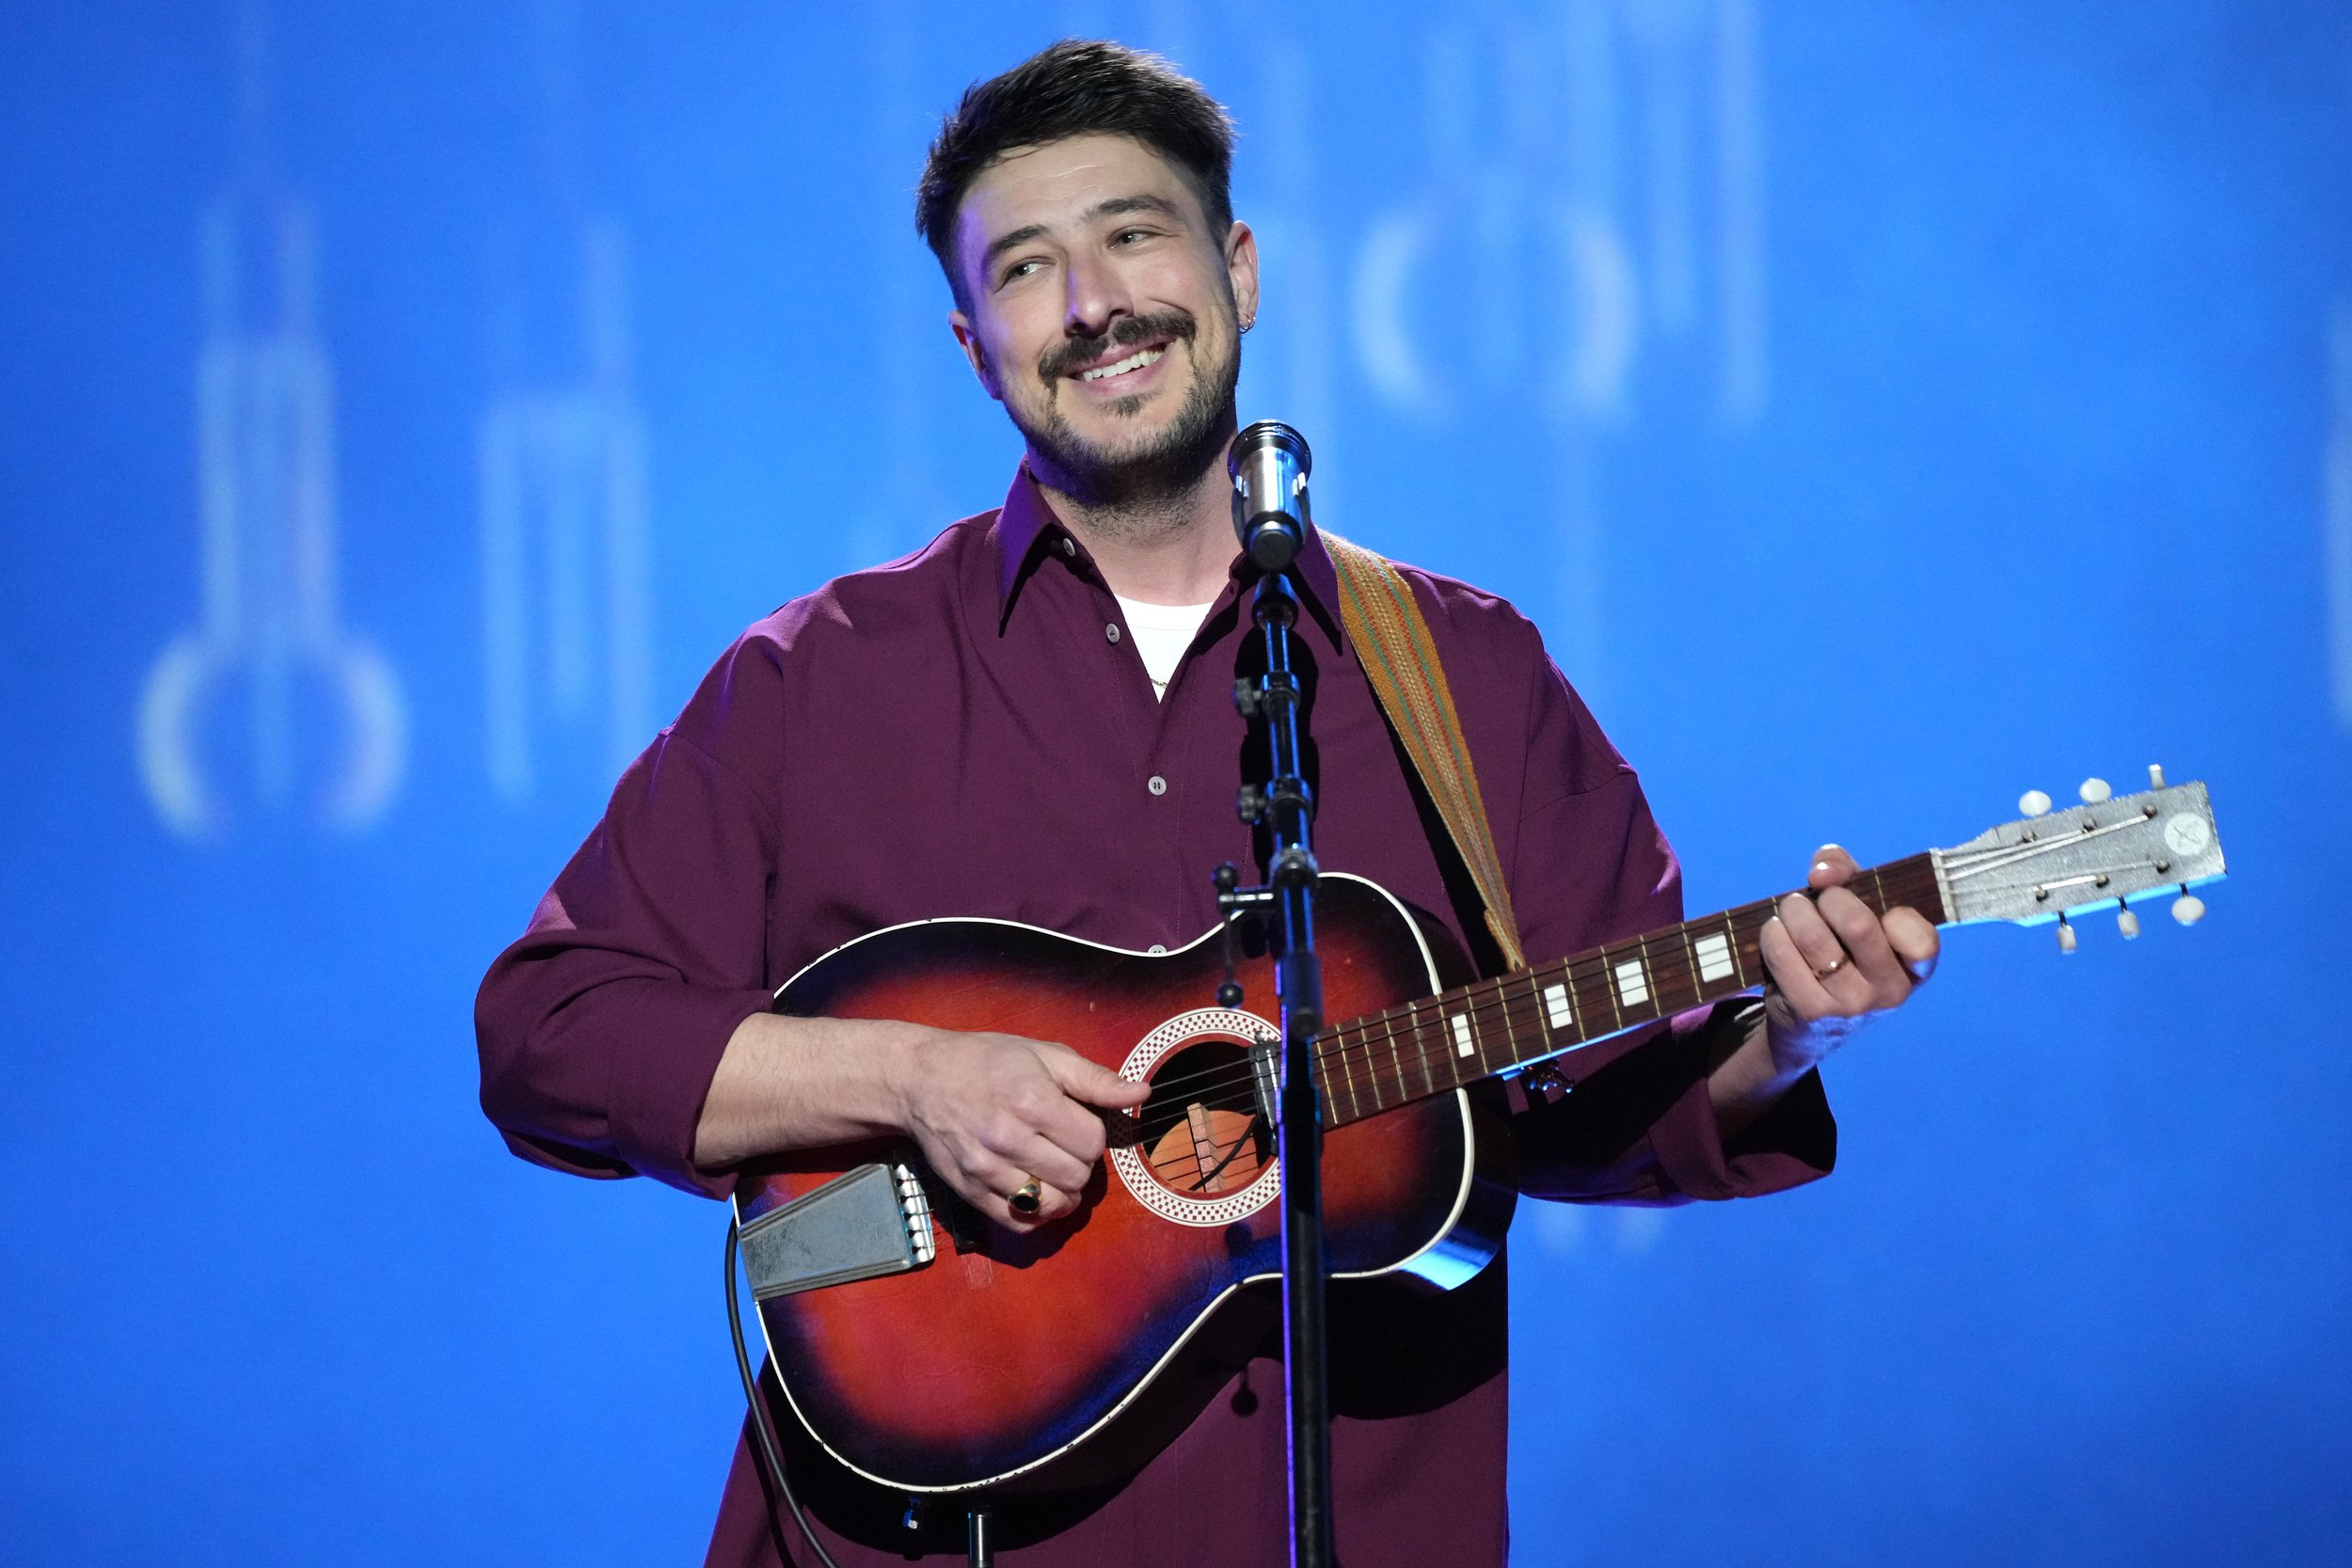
x,y
760,1427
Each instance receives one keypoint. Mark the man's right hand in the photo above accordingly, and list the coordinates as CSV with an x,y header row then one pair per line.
x,y
992,1111
988,1111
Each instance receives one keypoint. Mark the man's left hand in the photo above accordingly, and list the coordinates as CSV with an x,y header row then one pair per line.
x,y
1835,962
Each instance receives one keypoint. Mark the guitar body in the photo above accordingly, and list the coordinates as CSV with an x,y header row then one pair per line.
x,y
1067,1356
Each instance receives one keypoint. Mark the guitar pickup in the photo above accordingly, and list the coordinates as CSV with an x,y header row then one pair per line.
x,y
870,1221
1266,1075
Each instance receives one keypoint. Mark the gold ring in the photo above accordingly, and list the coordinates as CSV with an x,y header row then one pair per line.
x,y
1026,1197
1825,973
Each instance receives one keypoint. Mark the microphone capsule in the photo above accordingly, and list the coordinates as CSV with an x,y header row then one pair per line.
x,y
1269,463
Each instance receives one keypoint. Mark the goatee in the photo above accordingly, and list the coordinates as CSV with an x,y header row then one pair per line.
x,y
1158,476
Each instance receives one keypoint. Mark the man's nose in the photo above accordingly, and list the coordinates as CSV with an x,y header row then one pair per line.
x,y
1097,297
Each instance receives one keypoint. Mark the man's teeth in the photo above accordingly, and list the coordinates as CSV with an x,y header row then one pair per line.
x,y
1135,361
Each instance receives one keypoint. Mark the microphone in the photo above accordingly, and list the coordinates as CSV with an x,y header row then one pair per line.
x,y
1269,463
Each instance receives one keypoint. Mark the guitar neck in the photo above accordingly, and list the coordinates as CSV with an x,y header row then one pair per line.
x,y
1386,1059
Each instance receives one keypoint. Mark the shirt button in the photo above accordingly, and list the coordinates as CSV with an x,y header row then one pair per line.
x,y
1069,547
1157,785
1110,629
1159,947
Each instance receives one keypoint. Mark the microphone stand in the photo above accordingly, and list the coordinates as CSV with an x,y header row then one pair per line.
x,y
1283,805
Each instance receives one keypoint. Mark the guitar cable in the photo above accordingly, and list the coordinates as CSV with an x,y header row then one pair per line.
x,y
770,1454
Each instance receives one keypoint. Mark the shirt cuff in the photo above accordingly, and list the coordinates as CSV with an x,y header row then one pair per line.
x,y
668,1040
1792,1141
1639,1126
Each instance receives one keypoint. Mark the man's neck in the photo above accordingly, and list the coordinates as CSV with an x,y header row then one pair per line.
x,y
1177,550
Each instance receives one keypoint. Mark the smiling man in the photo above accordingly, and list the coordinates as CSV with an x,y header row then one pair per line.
x,y
1029,719
1102,290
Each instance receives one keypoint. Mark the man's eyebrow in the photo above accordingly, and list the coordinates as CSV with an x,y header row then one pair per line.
x,y
1003,242
1141,201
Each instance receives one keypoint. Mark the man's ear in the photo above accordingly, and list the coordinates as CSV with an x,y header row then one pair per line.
x,y
1241,269
968,339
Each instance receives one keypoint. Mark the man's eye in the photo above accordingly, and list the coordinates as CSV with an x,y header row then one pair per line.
x,y
1021,269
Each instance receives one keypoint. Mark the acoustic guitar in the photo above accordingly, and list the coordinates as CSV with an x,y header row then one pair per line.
x,y
991,1360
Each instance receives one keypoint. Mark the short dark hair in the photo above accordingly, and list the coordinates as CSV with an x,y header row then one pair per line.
x,y
1072,88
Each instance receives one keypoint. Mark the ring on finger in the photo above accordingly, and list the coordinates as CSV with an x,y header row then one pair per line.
x,y
1843,959
1026,1197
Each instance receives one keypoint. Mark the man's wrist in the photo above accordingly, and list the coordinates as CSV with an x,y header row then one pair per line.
x,y
1751,1075
889,1058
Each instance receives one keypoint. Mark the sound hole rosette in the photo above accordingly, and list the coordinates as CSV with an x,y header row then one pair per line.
x,y
1225,1026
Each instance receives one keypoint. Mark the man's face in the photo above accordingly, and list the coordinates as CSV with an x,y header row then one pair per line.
x,y
1103,314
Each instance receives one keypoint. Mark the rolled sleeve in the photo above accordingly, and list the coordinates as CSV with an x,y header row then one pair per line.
x,y
1637,1125
1589,865
600,1028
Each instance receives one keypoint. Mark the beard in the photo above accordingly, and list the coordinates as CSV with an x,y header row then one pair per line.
x,y
1155,471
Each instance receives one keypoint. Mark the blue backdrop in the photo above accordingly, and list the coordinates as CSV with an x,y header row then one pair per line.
x,y
1884,407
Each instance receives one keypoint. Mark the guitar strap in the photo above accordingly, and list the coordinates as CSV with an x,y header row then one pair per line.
x,y
1384,624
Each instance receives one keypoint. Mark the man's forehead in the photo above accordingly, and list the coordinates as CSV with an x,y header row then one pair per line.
x,y
1063,181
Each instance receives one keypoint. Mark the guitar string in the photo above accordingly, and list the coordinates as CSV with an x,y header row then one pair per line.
x,y
1356,1067
1489,1001
2001,857
1510,996
1486,997
1168,1169
1673,969
1353,1067
2023,847
1350,1066
1493,999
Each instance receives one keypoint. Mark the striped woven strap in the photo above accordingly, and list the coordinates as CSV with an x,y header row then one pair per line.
x,y
1392,639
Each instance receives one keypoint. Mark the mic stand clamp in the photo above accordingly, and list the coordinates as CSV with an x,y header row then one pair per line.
x,y
1285,907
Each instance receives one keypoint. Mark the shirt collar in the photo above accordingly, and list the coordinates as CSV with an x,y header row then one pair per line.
x,y
1027,534
1025,527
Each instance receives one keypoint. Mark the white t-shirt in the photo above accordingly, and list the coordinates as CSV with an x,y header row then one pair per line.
x,y
1162,633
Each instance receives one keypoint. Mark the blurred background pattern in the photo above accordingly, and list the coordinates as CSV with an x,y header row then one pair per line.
x,y
1886,406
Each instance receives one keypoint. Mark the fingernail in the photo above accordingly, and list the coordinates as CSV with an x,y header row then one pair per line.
x,y
1821,865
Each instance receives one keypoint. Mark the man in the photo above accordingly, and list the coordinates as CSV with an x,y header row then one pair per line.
x,y
1028,720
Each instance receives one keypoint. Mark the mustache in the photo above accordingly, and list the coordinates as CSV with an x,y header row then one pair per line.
x,y
1075,353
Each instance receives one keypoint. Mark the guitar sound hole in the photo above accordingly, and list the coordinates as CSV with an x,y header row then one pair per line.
x,y
1200,1130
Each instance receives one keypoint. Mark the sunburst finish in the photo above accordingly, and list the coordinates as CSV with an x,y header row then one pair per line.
x,y
1007,1351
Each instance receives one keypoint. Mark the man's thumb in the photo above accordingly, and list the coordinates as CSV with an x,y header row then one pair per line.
x,y
1097,1085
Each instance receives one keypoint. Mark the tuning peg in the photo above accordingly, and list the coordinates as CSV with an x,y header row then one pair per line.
x,y
2033,803
2156,776
2188,909
2128,923
2095,791
2066,936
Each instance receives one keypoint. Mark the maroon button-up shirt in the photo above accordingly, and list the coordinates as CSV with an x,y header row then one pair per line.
x,y
969,732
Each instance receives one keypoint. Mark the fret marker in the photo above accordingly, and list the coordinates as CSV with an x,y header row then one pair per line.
x,y
1462,1046
1556,1006
1714,956
1632,989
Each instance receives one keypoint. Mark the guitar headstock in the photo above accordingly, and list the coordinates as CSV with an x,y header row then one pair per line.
x,y
2102,854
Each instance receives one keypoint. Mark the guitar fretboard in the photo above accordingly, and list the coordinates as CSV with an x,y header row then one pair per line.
x,y
1386,1059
